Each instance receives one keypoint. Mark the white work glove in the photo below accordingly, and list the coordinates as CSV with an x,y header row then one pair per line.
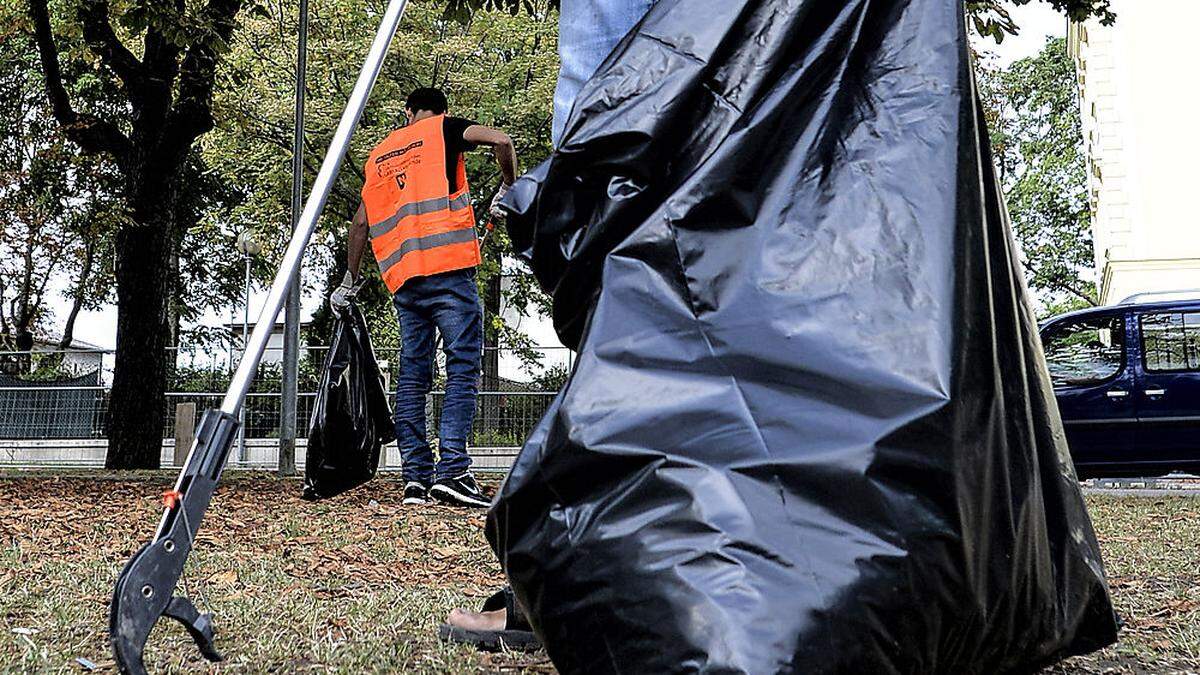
x,y
494,210
339,299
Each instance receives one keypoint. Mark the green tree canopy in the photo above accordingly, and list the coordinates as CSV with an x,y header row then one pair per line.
x,y
1033,117
60,208
498,68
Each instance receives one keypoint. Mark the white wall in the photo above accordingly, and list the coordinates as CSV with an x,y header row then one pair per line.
x,y
540,330
273,353
1139,101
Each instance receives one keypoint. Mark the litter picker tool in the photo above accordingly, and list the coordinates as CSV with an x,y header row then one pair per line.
x,y
145,590
487,230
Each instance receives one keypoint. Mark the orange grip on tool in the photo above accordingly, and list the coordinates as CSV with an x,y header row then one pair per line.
x,y
487,230
170,498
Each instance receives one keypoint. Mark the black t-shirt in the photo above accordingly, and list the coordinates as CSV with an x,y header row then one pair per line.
x,y
452,133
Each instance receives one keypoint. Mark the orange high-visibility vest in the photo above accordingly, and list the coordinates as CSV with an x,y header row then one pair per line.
x,y
417,227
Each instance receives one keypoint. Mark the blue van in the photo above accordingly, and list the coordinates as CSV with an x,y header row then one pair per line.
x,y
1127,379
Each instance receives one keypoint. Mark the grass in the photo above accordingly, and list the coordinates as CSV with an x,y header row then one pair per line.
x,y
359,584
349,585
1152,561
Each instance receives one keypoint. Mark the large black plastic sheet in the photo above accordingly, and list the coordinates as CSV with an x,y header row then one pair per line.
x,y
810,428
351,420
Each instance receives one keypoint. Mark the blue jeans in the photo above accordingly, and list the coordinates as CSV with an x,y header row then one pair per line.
x,y
587,31
448,302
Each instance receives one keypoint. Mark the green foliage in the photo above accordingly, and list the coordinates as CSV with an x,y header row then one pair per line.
x,y
91,192
497,438
498,68
1032,111
991,18
550,379
214,379
1067,304
192,379
45,368
59,207
209,271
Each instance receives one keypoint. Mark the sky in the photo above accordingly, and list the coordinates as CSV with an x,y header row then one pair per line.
x,y
1037,21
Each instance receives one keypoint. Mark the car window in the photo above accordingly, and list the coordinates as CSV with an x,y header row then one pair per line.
x,y
1171,341
1086,351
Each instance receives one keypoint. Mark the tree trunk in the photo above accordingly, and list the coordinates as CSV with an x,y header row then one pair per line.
x,y
174,303
169,89
144,292
79,295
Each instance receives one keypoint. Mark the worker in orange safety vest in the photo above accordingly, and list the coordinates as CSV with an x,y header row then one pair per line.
x,y
416,211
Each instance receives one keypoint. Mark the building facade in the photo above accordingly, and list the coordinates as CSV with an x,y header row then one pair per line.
x,y
273,352
1138,101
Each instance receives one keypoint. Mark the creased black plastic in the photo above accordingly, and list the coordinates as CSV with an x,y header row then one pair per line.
x,y
351,419
810,428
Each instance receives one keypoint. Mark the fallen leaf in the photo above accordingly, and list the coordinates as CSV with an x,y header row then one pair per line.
x,y
227,577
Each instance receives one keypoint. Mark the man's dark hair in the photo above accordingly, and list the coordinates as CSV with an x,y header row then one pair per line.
x,y
427,98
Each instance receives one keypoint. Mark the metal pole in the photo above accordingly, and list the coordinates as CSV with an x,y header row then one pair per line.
x,y
313,207
232,318
245,333
291,321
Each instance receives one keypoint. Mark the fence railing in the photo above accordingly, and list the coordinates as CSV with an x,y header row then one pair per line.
x,y
63,395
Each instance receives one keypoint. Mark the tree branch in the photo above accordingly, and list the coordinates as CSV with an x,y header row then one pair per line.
x,y
192,114
100,38
1059,284
4,329
89,132
161,57
77,298
1081,294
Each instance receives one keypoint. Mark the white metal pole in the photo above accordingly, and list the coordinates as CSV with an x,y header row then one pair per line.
x,y
313,207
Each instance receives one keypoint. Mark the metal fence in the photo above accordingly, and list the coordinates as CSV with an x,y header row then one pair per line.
x,y
53,403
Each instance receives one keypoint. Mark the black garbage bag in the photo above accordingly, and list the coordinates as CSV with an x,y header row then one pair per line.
x,y
810,428
351,419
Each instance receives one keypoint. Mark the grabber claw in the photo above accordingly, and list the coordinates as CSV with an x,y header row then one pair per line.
x,y
145,590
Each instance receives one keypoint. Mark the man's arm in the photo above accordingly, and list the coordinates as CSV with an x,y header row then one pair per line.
x,y
357,241
502,146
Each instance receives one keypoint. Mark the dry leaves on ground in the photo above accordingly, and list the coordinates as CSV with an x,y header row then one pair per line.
x,y
359,583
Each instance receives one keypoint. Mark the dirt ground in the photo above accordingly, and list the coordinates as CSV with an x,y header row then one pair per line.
x,y
359,584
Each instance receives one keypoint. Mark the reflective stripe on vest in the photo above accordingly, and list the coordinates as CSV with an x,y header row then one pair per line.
x,y
426,243
418,228
420,208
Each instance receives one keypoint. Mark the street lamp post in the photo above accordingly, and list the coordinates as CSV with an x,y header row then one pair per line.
x,y
289,375
248,247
